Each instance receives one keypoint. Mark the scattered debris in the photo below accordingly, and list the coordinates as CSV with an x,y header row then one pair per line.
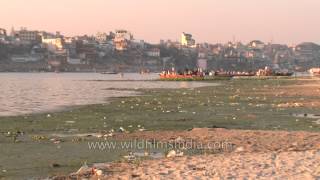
x,y
290,105
83,169
260,105
108,135
121,129
131,157
39,138
173,153
179,140
98,172
146,153
239,149
55,165
306,115
70,122
99,136
317,121
56,141
234,104
142,129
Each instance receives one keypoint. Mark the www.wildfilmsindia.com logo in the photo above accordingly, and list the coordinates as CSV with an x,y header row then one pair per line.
x,y
153,144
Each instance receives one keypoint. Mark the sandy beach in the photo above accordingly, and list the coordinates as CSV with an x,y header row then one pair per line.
x,y
284,165
255,155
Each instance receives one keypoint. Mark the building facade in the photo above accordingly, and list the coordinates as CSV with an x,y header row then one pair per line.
x,y
26,36
122,40
101,37
187,40
53,44
154,52
3,34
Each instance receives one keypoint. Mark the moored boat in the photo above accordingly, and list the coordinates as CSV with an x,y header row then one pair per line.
x,y
108,73
315,71
269,72
180,77
187,75
283,73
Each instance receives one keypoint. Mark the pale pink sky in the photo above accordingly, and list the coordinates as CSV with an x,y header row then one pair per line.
x,y
284,21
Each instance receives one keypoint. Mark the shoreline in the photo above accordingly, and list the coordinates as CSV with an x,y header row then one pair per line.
x,y
129,92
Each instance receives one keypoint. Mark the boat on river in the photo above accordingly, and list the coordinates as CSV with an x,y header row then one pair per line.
x,y
315,71
108,73
187,75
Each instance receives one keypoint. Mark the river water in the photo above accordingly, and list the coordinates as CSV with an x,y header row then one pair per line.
x,y
25,93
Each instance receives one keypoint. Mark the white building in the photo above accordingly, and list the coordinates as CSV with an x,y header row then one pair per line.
x,y
154,52
25,58
74,61
101,37
26,36
202,64
187,40
52,42
106,47
122,40
3,34
256,44
139,44
202,54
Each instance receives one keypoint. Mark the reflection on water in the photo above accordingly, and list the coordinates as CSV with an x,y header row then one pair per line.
x,y
23,93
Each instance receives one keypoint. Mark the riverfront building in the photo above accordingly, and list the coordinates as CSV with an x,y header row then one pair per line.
x,y
122,40
187,40
26,36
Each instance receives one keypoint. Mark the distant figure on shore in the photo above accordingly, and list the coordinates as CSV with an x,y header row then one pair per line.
x,y
121,75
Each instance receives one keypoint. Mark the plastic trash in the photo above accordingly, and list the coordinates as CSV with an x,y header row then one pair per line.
x,y
83,169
